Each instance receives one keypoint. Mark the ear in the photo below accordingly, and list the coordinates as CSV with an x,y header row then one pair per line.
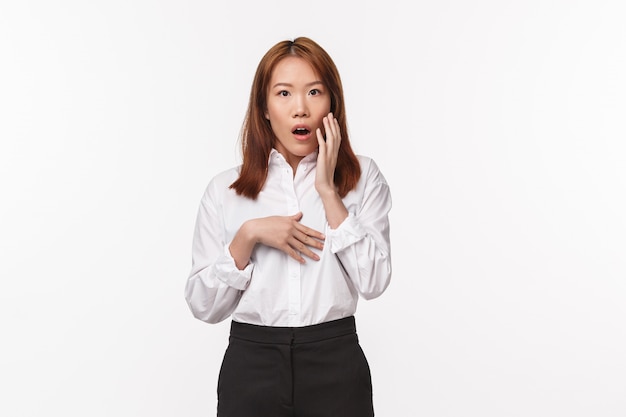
x,y
267,115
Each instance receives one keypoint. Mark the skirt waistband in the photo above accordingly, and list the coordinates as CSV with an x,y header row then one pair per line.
x,y
292,335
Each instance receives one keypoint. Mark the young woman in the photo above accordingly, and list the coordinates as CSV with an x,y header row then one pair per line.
x,y
286,243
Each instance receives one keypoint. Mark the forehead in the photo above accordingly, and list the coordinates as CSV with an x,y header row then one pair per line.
x,y
293,68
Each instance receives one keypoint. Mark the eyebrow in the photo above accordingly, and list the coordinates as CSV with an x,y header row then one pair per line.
x,y
291,85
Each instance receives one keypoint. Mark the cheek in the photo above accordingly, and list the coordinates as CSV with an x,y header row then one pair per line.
x,y
326,107
271,111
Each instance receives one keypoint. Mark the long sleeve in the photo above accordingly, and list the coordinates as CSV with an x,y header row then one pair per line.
x,y
214,285
362,242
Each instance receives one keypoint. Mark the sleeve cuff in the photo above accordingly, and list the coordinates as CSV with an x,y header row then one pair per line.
x,y
349,232
229,274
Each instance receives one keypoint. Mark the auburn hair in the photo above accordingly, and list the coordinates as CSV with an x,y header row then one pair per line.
x,y
257,137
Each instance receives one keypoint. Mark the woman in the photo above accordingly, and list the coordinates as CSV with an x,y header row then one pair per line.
x,y
286,244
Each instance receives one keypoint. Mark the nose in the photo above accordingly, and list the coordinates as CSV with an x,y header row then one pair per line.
x,y
300,108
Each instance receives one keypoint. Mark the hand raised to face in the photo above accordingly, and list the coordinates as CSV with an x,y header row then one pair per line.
x,y
327,156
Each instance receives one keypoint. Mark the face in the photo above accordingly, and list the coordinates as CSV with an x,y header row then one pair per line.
x,y
297,101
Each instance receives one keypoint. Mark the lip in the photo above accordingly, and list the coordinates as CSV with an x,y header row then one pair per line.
x,y
303,137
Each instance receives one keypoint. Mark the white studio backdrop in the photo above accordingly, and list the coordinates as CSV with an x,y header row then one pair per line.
x,y
498,124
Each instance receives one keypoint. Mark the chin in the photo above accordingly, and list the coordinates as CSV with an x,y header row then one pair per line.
x,y
304,150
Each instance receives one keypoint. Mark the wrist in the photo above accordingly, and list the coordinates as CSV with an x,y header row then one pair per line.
x,y
248,232
327,192
334,208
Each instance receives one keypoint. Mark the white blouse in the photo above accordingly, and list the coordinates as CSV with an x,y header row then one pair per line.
x,y
275,289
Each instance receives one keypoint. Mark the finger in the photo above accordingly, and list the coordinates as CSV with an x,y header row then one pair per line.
x,y
337,130
309,241
295,255
291,249
320,139
310,232
334,129
333,136
310,254
301,249
329,142
330,134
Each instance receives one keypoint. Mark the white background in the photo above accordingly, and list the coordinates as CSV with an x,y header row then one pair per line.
x,y
500,126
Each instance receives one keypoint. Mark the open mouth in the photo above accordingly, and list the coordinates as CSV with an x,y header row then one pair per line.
x,y
301,131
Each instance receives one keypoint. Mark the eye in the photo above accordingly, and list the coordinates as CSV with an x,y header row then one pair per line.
x,y
315,92
283,93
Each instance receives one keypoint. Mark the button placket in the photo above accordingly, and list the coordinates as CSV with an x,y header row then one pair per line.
x,y
293,266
